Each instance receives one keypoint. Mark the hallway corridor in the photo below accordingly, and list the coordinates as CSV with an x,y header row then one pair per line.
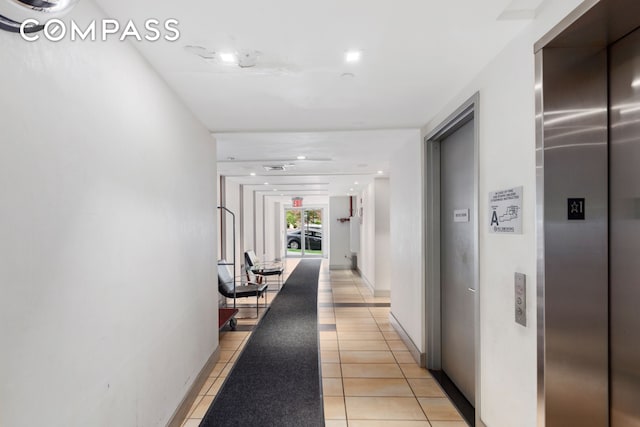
x,y
369,377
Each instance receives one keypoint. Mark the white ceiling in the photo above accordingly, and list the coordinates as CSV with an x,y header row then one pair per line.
x,y
341,160
416,54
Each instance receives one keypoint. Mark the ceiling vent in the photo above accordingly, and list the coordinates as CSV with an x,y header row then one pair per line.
x,y
275,168
14,12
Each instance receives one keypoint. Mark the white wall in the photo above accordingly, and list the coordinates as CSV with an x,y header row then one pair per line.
x,y
271,230
507,159
367,254
259,207
382,233
339,233
277,246
247,215
232,202
108,303
374,258
407,255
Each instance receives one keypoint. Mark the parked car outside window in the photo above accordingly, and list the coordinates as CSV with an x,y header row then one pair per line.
x,y
313,239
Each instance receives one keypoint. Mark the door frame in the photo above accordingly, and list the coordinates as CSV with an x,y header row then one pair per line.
x,y
469,110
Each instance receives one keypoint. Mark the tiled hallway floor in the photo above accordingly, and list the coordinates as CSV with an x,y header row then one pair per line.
x,y
369,377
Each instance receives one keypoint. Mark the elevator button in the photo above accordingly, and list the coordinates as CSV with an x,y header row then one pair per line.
x,y
520,291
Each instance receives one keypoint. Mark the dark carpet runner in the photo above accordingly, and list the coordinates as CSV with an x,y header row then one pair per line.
x,y
276,380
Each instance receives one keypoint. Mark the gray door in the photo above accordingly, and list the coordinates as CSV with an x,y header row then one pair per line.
x,y
457,258
624,234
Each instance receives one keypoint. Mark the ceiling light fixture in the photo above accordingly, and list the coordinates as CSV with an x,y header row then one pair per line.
x,y
380,172
252,174
276,168
228,57
13,13
302,157
353,56
355,183
248,58
266,183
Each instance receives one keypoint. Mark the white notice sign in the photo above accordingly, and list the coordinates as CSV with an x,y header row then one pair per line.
x,y
505,211
461,215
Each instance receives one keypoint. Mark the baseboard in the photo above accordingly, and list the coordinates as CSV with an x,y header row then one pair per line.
x,y
183,409
420,358
366,282
376,293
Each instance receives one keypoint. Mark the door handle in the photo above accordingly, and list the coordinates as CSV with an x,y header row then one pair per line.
x,y
472,290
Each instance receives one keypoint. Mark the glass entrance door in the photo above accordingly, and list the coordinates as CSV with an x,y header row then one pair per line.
x,y
304,232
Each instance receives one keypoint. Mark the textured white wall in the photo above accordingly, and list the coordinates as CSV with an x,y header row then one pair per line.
x,y
374,258
339,251
247,219
367,254
407,256
270,231
259,248
232,202
382,236
108,298
507,159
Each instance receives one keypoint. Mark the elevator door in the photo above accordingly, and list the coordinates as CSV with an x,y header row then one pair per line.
x,y
457,259
624,231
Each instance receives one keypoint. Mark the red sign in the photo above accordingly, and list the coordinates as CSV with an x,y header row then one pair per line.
x,y
297,202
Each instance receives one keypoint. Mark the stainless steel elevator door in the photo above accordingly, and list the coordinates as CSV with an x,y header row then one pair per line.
x,y
457,259
624,231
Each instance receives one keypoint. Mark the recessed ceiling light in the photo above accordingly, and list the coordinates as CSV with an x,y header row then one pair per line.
x,y
353,56
355,183
228,57
351,189
380,172
302,157
266,183
275,189
252,174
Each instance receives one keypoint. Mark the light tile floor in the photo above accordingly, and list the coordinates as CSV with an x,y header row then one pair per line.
x,y
369,378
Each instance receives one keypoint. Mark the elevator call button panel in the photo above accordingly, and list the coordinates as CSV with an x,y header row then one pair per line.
x,y
521,299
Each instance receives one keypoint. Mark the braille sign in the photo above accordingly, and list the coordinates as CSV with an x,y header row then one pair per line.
x,y
461,215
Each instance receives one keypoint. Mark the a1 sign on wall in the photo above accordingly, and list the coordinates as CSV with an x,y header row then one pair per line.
x,y
297,202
